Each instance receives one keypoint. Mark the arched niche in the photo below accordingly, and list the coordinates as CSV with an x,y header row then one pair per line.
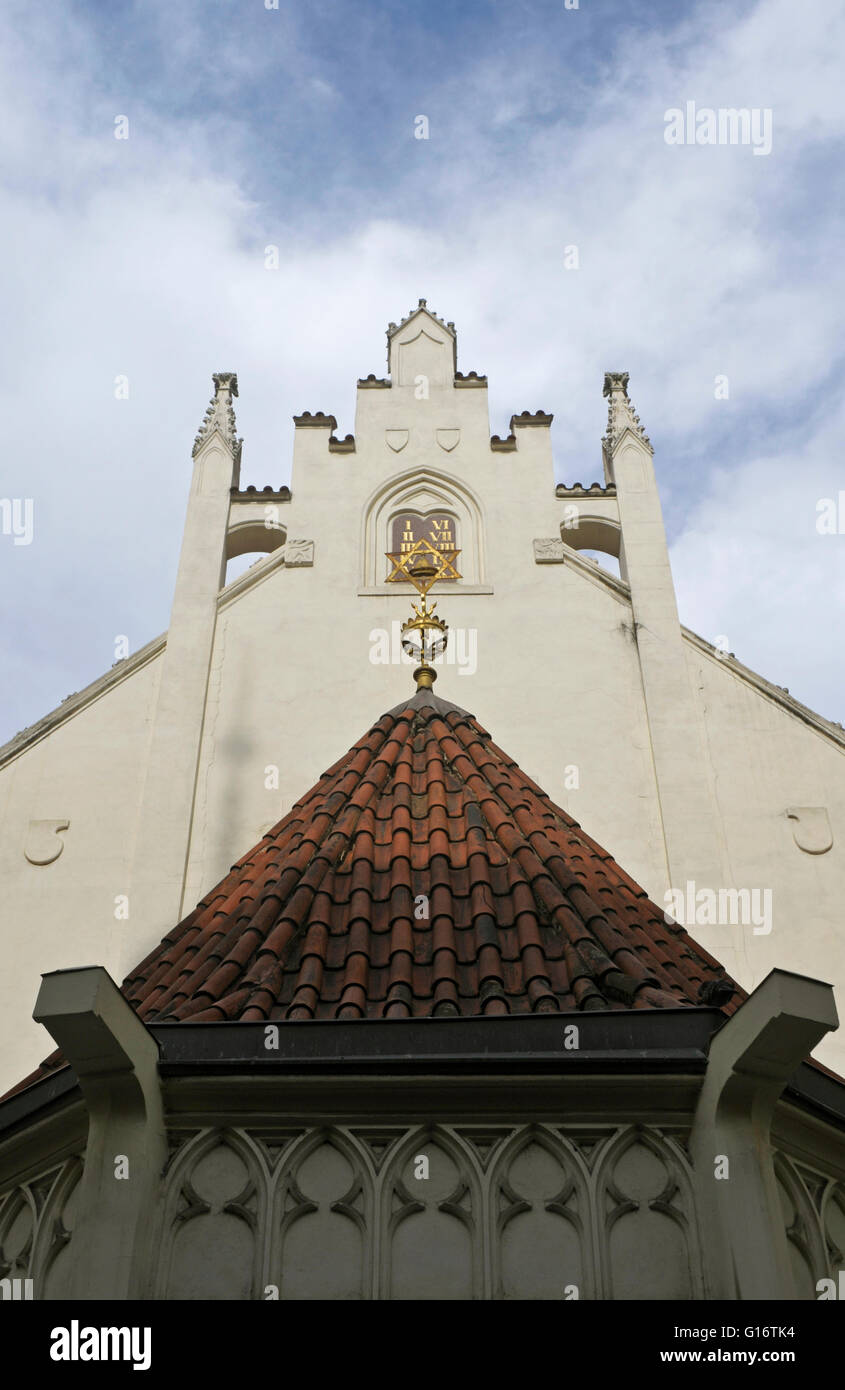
x,y
432,1220
253,536
322,1226
540,1219
423,492
599,537
649,1246
215,1216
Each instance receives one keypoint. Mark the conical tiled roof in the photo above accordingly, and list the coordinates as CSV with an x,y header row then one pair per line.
x,y
424,875
326,917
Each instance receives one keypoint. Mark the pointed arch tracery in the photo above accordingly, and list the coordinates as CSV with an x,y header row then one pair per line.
x,y
540,1219
644,1199
424,492
432,1220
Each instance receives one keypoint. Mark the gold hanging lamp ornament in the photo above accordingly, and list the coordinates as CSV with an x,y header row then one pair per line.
x,y
423,564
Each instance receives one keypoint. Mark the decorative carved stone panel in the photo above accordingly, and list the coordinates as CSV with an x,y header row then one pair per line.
x,y
299,553
811,829
43,840
474,1211
548,551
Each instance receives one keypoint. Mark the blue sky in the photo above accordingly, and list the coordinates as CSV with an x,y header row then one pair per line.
x,y
295,127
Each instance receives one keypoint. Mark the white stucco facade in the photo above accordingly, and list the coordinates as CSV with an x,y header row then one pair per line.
x,y
684,765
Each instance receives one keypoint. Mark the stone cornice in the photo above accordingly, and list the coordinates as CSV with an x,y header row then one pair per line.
x,y
540,417
257,571
316,421
776,693
590,568
342,446
578,490
503,446
255,494
81,698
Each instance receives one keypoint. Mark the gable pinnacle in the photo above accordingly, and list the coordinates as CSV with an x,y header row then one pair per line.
x,y
422,304
220,414
620,414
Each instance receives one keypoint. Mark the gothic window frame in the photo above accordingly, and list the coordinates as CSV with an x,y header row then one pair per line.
x,y
424,491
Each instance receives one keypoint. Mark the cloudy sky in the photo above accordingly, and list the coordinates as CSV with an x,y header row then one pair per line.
x,y
250,126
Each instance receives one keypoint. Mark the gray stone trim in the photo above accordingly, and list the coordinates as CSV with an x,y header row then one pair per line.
x,y
578,490
317,421
539,418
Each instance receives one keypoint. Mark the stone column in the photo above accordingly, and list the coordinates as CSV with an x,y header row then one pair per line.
x,y
167,807
691,832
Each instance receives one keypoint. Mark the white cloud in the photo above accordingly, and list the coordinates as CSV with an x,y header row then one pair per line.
x,y
146,257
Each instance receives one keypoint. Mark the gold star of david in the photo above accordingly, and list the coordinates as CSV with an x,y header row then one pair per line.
x,y
429,563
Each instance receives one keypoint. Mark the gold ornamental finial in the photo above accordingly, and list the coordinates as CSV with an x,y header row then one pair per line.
x,y
423,564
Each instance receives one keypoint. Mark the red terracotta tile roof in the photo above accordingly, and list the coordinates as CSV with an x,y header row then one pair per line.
x,y
526,913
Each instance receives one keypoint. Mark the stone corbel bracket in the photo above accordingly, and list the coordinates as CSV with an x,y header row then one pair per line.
x,y
116,1061
299,553
751,1060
